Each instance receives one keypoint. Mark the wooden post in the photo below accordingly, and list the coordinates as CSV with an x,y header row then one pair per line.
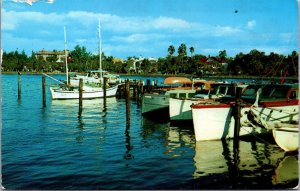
x,y
44,90
237,113
135,90
127,88
19,85
80,95
104,92
155,83
120,89
69,79
139,89
142,87
148,85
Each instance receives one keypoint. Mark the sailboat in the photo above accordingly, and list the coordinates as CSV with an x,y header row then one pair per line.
x,y
96,76
90,91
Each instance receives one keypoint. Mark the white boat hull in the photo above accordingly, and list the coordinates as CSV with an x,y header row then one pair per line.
x,y
153,102
88,93
214,122
180,109
287,138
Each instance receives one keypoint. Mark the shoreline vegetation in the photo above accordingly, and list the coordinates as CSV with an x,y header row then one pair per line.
x,y
253,65
294,78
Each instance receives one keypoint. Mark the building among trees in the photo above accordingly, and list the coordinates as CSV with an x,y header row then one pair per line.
x,y
59,56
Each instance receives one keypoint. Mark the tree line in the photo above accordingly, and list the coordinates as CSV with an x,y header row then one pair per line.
x,y
180,61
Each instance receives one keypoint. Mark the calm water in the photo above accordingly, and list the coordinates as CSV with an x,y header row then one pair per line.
x,y
53,147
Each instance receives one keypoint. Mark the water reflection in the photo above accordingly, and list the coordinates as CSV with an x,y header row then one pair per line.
x,y
80,126
286,171
128,155
245,163
179,137
210,158
173,137
152,128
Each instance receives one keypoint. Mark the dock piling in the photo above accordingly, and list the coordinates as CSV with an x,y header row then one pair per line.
x,y
135,90
19,85
104,93
44,90
80,95
237,113
148,85
127,88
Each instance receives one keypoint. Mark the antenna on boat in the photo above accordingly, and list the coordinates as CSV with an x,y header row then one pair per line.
x,y
66,56
100,60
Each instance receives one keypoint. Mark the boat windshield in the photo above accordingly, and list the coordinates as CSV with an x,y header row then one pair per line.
x,y
274,91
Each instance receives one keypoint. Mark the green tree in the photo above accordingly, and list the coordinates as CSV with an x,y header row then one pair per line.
x,y
181,55
222,55
171,50
256,60
79,57
192,50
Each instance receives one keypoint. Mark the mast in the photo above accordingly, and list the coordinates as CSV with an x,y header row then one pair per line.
x,y
100,59
66,57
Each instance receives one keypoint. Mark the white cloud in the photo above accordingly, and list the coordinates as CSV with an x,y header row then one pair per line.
x,y
224,31
131,38
126,35
251,24
30,2
137,25
12,19
170,23
287,37
137,38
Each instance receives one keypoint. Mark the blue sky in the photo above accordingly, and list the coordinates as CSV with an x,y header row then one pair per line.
x,y
148,27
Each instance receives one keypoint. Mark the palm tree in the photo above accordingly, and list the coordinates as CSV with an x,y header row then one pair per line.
x,y
181,53
171,50
192,50
223,55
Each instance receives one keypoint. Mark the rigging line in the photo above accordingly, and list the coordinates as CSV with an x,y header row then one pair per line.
x,y
278,119
277,64
53,79
274,71
293,64
282,110
256,136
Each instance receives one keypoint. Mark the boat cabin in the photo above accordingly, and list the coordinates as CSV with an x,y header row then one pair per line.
x,y
271,92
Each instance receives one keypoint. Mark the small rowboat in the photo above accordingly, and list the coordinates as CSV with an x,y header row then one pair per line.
x,y
287,137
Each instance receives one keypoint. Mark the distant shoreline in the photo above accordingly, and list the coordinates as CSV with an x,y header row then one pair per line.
x,y
167,75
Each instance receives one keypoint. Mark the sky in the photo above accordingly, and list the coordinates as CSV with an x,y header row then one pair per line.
x,y
148,27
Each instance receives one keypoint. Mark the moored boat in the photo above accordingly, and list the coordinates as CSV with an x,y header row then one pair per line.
x,y
90,90
287,136
157,101
63,93
276,103
180,108
93,76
